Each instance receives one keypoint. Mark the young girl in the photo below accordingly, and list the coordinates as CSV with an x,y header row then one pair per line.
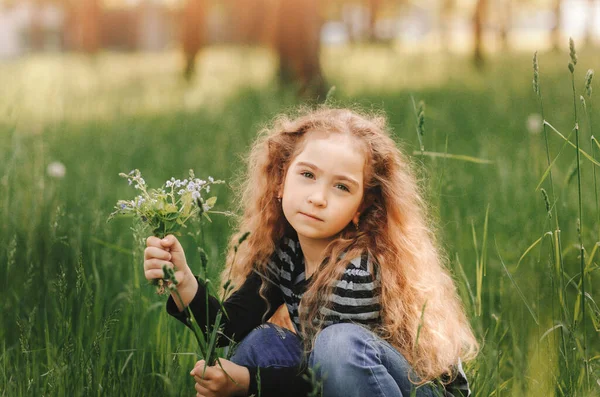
x,y
339,234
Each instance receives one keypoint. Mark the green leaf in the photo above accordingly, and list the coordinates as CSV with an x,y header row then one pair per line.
x,y
211,201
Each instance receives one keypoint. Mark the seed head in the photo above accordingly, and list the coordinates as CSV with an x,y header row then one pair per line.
x,y
588,82
547,202
536,75
572,52
421,116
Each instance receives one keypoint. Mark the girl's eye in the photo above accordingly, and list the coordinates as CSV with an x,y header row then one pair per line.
x,y
343,187
304,173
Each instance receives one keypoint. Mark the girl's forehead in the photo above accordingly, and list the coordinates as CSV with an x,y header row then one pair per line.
x,y
333,151
320,138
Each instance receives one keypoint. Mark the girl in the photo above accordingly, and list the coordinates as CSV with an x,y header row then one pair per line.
x,y
340,234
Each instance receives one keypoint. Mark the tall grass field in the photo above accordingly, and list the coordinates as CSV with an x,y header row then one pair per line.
x,y
511,168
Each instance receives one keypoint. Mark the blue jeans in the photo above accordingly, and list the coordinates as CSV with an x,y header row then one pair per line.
x,y
349,359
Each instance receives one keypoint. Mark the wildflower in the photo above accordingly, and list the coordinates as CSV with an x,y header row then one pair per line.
x,y
573,55
56,169
169,184
196,195
536,75
534,123
572,52
181,192
588,82
210,178
123,206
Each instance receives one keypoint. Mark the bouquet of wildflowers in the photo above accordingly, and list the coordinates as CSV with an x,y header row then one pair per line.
x,y
165,211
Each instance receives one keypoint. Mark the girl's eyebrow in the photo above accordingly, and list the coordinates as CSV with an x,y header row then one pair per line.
x,y
343,177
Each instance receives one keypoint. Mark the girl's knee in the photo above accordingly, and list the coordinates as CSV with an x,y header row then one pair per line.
x,y
268,345
340,343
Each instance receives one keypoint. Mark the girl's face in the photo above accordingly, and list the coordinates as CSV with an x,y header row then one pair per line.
x,y
323,187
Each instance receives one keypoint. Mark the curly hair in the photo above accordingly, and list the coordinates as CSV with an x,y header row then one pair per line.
x,y
421,312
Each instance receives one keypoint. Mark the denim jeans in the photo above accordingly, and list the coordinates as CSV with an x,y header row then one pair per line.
x,y
349,359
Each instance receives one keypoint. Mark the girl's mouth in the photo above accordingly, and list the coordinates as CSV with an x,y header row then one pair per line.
x,y
312,217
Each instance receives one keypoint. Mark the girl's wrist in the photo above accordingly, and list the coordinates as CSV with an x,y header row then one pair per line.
x,y
187,289
243,381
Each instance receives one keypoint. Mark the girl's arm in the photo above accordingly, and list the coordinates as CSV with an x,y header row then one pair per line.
x,y
245,308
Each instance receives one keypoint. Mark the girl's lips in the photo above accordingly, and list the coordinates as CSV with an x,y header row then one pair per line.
x,y
312,217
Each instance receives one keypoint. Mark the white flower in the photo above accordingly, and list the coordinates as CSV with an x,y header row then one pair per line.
x,y
205,207
211,179
196,195
207,189
181,192
169,184
177,183
534,123
191,186
56,169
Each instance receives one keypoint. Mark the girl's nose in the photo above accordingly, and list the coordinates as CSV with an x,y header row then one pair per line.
x,y
317,198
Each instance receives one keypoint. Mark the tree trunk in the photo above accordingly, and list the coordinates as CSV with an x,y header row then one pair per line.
x,y
447,7
193,34
374,6
89,26
36,30
297,42
505,23
557,25
478,17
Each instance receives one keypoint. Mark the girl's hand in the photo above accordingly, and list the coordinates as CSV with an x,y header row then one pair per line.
x,y
169,251
216,383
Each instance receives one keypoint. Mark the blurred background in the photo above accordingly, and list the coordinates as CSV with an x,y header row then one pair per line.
x,y
92,88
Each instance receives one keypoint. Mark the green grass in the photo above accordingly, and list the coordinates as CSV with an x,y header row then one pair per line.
x,y
78,317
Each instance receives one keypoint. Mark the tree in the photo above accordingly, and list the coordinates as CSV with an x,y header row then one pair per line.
x,y
478,20
374,6
505,22
445,15
557,26
296,39
87,34
193,20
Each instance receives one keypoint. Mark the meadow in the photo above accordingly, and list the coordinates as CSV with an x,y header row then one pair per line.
x,y
78,317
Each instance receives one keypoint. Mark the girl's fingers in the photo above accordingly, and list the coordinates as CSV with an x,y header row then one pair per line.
x,y
153,274
202,381
150,264
202,391
156,252
153,242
